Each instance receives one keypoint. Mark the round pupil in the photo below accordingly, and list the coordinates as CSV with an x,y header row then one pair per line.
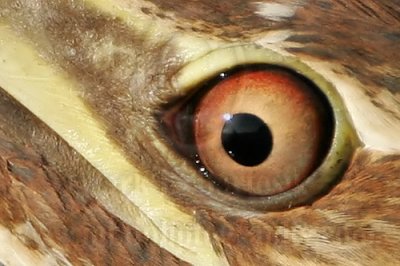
x,y
246,139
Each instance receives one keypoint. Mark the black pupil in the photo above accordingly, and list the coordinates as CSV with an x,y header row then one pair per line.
x,y
246,139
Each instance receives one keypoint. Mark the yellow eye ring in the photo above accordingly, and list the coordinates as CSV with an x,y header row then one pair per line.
x,y
343,143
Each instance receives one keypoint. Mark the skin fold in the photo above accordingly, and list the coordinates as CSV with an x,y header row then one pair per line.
x,y
90,177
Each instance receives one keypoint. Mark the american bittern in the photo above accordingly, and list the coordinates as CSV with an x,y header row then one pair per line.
x,y
203,132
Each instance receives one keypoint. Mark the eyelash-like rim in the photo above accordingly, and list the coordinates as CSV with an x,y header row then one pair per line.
x,y
344,142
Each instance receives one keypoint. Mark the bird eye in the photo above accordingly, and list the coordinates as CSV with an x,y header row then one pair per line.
x,y
263,132
257,130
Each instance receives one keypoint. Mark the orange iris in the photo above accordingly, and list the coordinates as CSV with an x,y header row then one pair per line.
x,y
291,109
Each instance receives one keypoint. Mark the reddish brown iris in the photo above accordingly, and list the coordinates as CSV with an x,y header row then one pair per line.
x,y
294,113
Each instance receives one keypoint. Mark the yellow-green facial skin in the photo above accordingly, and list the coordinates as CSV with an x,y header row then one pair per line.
x,y
99,74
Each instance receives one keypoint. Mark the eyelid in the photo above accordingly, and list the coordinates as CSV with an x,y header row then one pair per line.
x,y
223,59
345,141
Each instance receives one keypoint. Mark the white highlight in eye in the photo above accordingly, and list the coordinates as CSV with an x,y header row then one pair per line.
x,y
275,11
227,117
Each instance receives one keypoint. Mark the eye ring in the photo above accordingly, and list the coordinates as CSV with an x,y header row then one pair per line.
x,y
344,139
